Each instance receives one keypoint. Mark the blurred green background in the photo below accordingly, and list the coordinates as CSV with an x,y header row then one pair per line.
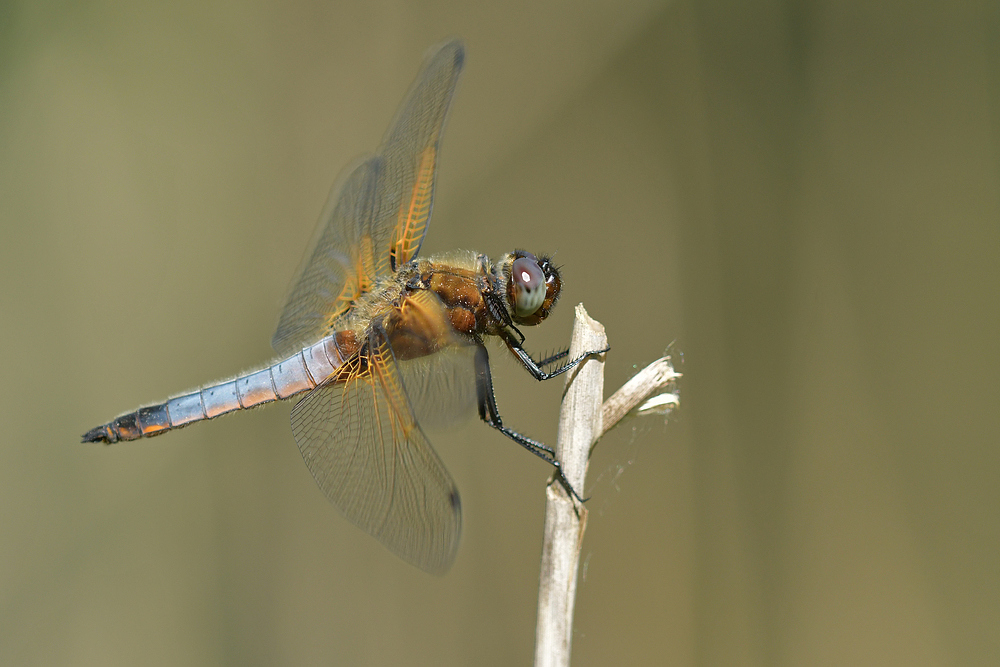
x,y
805,195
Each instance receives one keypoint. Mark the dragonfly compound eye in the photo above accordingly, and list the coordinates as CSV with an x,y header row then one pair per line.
x,y
529,286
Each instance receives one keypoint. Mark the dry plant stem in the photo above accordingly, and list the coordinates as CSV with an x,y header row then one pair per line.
x,y
633,393
565,517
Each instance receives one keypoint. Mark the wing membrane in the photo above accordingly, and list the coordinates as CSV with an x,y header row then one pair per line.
x,y
359,438
441,386
436,363
339,267
376,220
411,150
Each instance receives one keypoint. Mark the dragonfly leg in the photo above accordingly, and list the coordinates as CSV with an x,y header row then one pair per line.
x,y
554,358
489,413
535,367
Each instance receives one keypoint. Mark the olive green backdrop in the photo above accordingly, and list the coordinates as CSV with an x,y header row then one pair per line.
x,y
805,195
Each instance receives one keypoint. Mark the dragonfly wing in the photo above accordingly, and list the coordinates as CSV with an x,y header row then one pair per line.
x,y
435,362
338,265
359,438
442,386
377,219
410,151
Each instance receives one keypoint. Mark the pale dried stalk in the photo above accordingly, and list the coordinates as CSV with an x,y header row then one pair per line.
x,y
639,392
582,421
565,517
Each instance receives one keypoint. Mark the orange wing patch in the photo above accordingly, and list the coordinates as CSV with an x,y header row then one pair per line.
x,y
359,281
381,365
415,212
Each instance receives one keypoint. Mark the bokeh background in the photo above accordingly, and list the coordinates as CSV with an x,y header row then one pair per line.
x,y
804,195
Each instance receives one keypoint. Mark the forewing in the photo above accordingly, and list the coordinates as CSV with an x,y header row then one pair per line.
x,y
339,265
375,221
442,386
359,438
435,362
410,153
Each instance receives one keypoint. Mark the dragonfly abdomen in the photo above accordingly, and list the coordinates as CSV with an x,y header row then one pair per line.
x,y
284,379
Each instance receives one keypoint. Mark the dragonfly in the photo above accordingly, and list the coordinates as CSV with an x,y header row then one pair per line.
x,y
379,342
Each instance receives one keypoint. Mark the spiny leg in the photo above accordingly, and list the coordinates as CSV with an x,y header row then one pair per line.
x,y
554,358
535,367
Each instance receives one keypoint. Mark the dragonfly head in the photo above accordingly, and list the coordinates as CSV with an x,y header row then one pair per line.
x,y
533,285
